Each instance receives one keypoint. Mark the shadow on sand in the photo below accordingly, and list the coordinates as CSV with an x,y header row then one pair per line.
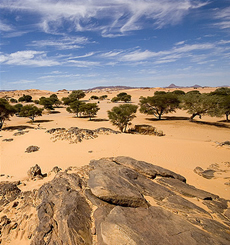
x,y
21,127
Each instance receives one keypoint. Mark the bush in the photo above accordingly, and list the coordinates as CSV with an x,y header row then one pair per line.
x,y
122,115
12,100
25,98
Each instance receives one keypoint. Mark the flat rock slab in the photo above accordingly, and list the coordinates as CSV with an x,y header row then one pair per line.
x,y
111,185
186,189
155,226
147,168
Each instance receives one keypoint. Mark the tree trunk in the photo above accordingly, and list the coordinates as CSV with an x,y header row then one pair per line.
x,y
227,114
193,115
159,117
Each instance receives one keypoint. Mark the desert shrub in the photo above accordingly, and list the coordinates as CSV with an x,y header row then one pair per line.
x,y
25,98
94,97
122,115
12,100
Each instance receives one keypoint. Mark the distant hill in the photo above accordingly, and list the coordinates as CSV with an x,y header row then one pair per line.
x,y
172,85
110,88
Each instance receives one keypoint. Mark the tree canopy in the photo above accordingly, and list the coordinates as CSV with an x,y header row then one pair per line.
x,y
122,97
122,115
6,110
75,95
25,98
30,111
159,104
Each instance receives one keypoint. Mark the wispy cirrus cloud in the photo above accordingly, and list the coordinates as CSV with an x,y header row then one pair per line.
x,y
111,19
28,58
200,53
64,43
224,18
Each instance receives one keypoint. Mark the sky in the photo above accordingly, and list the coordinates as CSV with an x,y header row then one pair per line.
x,y
80,44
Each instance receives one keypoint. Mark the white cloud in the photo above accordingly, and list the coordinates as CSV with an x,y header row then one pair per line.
x,y
5,27
62,43
112,18
224,17
22,82
28,58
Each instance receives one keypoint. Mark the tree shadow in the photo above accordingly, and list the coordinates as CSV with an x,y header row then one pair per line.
x,y
21,127
99,120
169,118
216,124
54,112
225,121
42,121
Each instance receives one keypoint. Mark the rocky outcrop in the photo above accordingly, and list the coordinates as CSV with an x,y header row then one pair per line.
x,y
32,148
146,130
76,135
114,201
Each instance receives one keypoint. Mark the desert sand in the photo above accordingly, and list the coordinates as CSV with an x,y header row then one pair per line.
x,y
185,145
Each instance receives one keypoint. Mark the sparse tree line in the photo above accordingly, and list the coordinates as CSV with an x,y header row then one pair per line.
x,y
216,103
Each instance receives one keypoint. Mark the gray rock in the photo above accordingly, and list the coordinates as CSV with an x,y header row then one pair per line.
x,y
186,189
147,168
32,148
109,184
64,214
35,172
9,191
151,226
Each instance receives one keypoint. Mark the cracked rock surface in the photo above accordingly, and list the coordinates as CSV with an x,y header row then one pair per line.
x,y
113,201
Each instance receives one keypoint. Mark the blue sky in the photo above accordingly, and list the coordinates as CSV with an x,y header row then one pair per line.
x,y
79,44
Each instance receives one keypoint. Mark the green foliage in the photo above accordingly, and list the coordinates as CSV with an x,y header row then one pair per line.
x,y
159,92
94,97
115,99
55,100
193,92
25,98
12,100
75,95
178,92
196,104
6,110
89,109
30,111
74,107
221,91
103,97
47,103
121,97
36,102
18,107
159,104
122,115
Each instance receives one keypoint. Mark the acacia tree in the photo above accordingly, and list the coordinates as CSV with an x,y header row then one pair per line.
x,y
89,109
75,95
122,115
122,97
30,111
159,104
47,103
198,104
74,107
6,110
223,102
26,98
55,100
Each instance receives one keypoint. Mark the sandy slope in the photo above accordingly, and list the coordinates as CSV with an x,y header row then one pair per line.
x,y
185,145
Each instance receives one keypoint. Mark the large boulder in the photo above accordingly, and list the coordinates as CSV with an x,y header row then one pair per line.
x,y
113,201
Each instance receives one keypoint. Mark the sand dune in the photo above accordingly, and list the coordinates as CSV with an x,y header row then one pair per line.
x,y
185,145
